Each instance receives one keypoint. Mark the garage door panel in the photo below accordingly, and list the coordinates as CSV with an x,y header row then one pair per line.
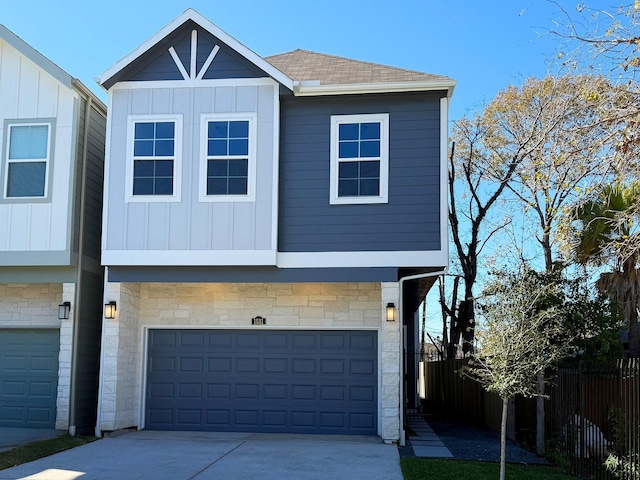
x,y
258,381
28,377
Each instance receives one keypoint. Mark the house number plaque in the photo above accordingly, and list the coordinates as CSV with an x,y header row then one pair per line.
x,y
258,320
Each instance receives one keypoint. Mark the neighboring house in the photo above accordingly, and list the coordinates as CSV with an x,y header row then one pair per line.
x,y
260,214
52,134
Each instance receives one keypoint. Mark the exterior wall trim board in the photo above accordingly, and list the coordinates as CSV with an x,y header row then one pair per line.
x,y
434,258
189,257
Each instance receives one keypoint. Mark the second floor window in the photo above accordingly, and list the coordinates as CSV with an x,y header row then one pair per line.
x,y
28,158
154,150
227,157
359,158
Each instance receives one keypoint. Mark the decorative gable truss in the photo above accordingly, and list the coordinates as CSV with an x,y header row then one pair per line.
x,y
193,73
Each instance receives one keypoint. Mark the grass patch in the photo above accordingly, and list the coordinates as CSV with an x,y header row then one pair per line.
x,y
421,468
41,448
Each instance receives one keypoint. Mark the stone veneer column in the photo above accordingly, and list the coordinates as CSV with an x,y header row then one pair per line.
x,y
64,358
390,366
119,402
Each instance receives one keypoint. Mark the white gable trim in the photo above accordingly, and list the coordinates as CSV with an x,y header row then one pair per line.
x,y
191,14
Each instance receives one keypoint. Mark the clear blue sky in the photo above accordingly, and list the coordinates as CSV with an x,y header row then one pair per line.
x,y
483,45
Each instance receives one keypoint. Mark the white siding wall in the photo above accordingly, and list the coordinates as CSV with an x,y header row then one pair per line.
x,y
191,225
300,306
27,92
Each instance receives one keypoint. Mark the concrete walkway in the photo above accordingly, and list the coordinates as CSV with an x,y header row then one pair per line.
x,y
208,456
425,442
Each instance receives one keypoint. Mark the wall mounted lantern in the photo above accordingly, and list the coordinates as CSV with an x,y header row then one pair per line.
x,y
110,310
63,310
391,312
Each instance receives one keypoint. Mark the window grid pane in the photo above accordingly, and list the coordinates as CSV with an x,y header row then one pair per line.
x,y
153,176
230,139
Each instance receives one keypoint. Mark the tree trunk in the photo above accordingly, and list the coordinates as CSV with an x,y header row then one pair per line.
x,y
503,438
631,305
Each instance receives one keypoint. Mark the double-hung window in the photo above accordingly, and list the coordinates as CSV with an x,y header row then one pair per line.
x,y
228,158
28,159
154,158
359,158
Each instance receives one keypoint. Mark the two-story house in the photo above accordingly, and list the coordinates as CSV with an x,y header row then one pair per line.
x,y
52,137
270,228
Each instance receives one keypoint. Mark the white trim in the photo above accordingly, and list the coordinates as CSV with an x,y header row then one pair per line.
x,y
431,258
107,173
276,168
308,89
177,159
173,258
194,54
47,159
191,14
178,63
208,62
205,118
336,121
219,82
444,176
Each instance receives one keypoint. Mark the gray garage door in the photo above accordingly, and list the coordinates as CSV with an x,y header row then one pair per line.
x,y
263,381
28,377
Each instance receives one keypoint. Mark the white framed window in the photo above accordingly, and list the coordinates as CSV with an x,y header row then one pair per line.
x,y
359,159
27,160
227,157
154,166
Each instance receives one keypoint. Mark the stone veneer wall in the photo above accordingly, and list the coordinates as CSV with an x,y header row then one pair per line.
x,y
30,305
301,305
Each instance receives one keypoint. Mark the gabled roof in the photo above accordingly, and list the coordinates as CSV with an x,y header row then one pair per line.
x,y
194,16
35,56
47,65
318,73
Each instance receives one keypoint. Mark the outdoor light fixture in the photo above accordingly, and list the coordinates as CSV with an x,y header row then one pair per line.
x,y
63,310
391,312
110,310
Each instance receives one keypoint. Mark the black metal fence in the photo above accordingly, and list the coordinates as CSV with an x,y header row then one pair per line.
x,y
593,417
592,414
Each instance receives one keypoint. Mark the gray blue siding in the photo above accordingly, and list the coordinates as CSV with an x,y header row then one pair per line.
x,y
410,221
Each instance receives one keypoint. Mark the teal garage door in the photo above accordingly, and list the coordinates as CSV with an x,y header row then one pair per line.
x,y
264,381
28,377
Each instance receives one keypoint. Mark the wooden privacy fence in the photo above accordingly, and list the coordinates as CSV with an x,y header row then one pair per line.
x,y
593,410
449,392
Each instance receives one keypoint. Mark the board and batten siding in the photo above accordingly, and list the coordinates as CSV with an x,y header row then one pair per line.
x,y
190,224
410,221
28,92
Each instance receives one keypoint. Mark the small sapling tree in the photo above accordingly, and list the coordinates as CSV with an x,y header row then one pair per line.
x,y
522,336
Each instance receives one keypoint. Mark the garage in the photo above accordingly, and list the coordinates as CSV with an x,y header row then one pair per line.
x,y
287,381
28,377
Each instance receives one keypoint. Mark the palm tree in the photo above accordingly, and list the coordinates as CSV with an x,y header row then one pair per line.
x,y
607,233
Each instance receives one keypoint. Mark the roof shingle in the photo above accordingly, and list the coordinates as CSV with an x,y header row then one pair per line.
x,y
301,65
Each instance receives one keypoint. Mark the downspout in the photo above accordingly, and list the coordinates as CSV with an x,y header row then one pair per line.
x,y
401,342
76,317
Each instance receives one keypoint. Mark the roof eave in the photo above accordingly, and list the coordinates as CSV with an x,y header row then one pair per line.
x,y
35,56
191,14
308,89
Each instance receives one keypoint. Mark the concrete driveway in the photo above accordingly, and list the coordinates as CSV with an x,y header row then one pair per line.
x,y
207,456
